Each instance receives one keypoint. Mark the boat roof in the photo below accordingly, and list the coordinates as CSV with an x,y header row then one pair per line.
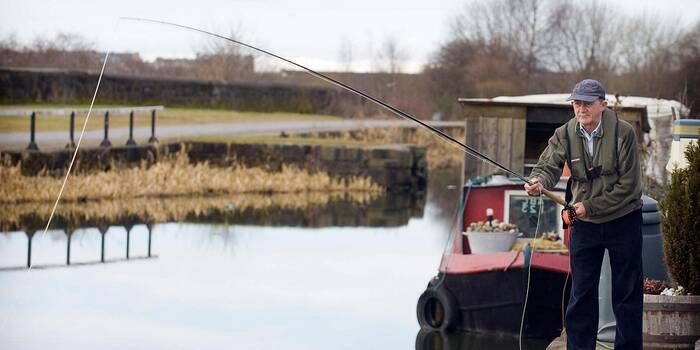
x,y
504,181
655,107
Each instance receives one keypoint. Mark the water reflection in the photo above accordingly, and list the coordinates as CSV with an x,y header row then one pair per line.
x,y
69,239
433,340
54,235
302,210
220,285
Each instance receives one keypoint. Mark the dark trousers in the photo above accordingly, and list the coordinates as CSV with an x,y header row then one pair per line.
x,y
623,239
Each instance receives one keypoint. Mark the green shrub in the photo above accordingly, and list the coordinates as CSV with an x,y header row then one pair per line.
x,y
681,223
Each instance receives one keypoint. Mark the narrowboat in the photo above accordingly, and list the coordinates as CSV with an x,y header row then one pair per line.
x,y
522,290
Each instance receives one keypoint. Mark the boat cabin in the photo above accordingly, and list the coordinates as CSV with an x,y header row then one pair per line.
x,y
514,130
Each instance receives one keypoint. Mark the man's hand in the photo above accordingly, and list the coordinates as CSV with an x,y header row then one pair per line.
x,y
580,210
534,188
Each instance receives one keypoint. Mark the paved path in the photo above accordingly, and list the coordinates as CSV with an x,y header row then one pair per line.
x,y
118,136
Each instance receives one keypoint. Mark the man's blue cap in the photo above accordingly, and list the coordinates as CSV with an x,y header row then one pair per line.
x,y
587,90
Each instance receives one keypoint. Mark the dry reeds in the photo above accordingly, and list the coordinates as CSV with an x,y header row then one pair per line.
x,y
172,177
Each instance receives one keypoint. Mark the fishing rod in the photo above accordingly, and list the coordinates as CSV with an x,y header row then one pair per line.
x,y
464,147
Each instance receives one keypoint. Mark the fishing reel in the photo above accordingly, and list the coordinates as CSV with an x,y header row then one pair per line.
x,y
568,215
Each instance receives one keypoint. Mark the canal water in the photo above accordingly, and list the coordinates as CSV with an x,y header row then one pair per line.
x,y
336,284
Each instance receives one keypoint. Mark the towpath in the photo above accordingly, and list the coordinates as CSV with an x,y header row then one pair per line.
x,y
119,136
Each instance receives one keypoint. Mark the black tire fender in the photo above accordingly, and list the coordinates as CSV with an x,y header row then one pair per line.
x,y
437,309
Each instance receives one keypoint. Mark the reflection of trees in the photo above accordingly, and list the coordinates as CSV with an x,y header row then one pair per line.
x,y
222,237
444,189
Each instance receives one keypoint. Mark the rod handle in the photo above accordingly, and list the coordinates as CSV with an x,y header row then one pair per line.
x,y
553,196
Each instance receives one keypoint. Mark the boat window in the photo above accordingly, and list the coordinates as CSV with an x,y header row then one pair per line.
x,y
523,210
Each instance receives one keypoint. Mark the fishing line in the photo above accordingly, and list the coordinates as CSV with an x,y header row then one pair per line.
x,y
466,148
453,230
77,146
529,274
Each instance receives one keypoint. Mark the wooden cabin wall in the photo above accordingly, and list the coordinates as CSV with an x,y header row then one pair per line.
x,y
498,132
635,118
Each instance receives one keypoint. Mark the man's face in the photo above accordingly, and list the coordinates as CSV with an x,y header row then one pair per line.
x,y
589,114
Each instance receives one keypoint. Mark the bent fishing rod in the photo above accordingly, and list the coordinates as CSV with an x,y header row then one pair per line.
x,y
464,147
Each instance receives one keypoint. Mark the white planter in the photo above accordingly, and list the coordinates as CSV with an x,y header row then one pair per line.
x,y
486,242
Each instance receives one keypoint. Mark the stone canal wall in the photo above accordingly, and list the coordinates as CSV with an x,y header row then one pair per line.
x,y
22,86
395,167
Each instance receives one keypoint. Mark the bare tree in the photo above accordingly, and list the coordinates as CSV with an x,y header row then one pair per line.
x,y
9,42
390,57
689,77
345,54
524,26
586,38
224,61
644,35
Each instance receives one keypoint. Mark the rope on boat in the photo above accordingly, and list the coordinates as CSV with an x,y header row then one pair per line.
x,y
529,270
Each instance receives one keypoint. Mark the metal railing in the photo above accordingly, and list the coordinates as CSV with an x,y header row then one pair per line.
x,y
32,113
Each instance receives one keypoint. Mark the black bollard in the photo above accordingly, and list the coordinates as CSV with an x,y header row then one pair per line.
x,y
32,130
72,129
105,142
30,235
131,141
153,138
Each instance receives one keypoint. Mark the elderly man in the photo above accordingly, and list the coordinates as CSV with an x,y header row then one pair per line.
x,y
605,191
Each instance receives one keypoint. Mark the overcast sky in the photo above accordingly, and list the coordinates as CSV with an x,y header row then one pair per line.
x,y
310,31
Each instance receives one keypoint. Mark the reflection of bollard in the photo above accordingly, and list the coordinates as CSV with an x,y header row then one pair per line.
x,y
150,227
72,128
32,131
105,142
30,235
69,234
103,231
153,138
128,228
131,141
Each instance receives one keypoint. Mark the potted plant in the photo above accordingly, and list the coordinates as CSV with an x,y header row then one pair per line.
x,y
491,236
674,316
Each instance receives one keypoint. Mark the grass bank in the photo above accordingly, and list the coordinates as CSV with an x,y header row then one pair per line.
x,y
169,116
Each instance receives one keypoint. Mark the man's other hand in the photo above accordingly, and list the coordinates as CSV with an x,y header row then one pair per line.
x,y
534,188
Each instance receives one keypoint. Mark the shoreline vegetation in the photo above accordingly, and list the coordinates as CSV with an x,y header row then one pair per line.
x,y
172,177
168,209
